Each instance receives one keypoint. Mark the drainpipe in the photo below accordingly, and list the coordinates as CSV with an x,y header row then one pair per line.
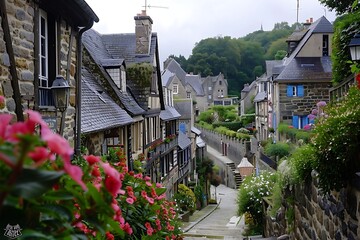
x,y
78,87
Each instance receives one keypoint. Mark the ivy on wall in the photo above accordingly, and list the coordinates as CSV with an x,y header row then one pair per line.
x,y
140,74
345,28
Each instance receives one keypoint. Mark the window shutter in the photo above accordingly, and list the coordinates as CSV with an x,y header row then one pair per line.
x,y
300,90
295,121
289,91
182,127
304,121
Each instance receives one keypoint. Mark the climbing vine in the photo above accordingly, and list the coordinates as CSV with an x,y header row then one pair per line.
x,y
140,74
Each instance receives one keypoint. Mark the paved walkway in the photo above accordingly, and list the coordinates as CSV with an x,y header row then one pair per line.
x,y
217,221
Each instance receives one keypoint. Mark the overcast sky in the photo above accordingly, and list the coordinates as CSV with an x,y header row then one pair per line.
x,y
182,23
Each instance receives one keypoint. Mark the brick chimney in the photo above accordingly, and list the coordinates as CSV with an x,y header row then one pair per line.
x,y
143,28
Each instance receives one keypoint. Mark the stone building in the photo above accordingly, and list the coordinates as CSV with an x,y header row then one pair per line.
x,y
303,78
39,41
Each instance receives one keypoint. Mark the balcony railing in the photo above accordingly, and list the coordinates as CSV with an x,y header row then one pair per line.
x,y
339,91
45,97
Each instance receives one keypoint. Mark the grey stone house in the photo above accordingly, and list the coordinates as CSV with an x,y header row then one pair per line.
x,y
304,77
40,42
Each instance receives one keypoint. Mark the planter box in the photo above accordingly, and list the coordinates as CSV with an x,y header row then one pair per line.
x,y
185,216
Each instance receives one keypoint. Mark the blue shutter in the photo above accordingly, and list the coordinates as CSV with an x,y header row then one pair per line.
x,y
295,121
182,127
289,91
300,90
304,121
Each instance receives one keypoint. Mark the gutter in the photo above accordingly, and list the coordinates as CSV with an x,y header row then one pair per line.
x,y
79,47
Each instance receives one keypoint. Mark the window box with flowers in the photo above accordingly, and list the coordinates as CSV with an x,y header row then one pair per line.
x,y
169,138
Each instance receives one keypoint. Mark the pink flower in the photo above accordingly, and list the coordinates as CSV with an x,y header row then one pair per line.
x,y
56,143
144,194
149,184
75,173
130,200
321,104
311,116
91,159
109,236
126,227
147,178
158,185
39,155
149,229
307,127
5,120
96,171
35,118
150,200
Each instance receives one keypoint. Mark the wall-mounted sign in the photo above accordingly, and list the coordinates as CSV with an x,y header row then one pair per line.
x,y
51,122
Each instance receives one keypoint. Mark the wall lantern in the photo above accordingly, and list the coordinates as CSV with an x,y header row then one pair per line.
x,y
354,46
61,93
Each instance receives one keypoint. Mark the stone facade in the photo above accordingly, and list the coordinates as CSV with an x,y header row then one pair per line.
x,y
21,16
318,216
314,92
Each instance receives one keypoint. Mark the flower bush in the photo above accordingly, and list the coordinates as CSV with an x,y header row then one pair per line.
x,y
251,193
336,142
185,199
51,198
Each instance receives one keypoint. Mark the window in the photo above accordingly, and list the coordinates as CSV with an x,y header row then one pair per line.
x,y
188,94
182,127
220,93
115,76
47,57
295,91
175,88
325,48
300,121
209,96
210,88
220,82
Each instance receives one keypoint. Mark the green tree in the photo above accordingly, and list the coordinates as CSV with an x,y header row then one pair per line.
x,y
340,7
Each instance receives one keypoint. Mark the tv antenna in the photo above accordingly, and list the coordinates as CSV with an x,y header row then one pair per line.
x,y
297,12
151,6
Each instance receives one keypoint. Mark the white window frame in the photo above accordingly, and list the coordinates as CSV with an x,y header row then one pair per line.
x,y
115,75
44,57
294,91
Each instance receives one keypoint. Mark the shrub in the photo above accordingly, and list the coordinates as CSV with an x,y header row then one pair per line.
x,y
251,193
230,125
302,161
287,130
336,142
185,198
279,149
207,116
303,135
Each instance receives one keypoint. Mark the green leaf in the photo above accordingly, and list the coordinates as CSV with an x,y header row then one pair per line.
x,y
60,212
160,191
116,228
58,195
34,182
31,234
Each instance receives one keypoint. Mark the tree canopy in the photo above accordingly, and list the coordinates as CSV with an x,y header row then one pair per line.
x,y
341,7
241,60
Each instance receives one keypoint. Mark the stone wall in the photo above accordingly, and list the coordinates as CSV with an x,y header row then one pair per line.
x,y
302,106
21,23
316,216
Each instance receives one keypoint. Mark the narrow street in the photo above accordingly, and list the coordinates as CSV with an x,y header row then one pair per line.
x,y
222,223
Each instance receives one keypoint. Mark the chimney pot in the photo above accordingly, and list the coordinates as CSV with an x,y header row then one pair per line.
x,y
311,20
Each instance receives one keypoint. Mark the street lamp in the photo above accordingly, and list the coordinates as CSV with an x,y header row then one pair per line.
x,y
354,46
61,94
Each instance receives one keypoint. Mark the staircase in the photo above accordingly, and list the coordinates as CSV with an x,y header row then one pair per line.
x,y
237,176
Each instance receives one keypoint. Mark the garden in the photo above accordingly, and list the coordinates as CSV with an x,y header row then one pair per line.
x,y
52,196
330,153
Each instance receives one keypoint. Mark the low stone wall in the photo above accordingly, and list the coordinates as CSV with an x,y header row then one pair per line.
x,y
316,216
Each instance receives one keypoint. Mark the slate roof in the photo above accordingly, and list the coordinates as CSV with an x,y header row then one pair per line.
x,y
199,142
123,45
98,111
322,25
307,68
174,67
166,77
183,140
195,130
93,43
270,67
184,108
260,96
169,113
195,82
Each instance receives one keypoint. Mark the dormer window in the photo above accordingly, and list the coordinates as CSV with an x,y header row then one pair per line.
x,y
175,88
118,75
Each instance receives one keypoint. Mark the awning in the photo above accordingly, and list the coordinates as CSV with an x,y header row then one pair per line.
x,y
199,142
195,130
